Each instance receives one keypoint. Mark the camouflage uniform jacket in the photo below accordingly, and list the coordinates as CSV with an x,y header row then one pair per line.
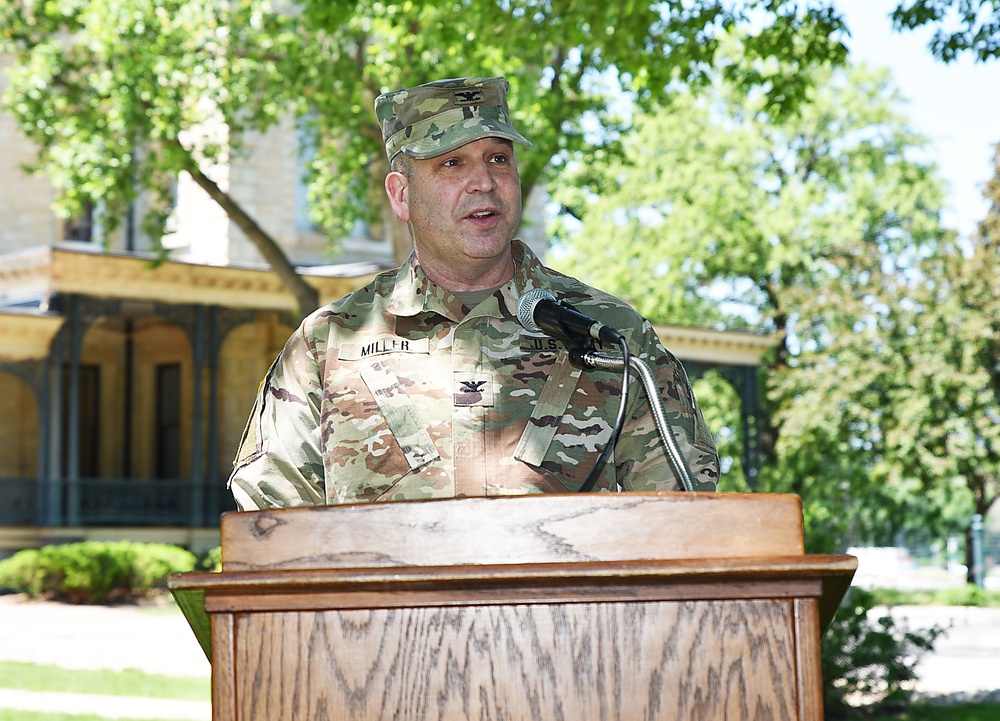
x,y
398,392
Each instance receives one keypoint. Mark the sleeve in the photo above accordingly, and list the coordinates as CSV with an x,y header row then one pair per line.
x,y
640,458
279,462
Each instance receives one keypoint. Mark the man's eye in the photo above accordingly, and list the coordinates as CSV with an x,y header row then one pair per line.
x,y
499,158
450,163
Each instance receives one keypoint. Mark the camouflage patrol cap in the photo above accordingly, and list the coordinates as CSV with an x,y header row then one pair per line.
x,y
432,119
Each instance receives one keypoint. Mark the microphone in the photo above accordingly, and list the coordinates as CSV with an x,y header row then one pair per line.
x,y
539,311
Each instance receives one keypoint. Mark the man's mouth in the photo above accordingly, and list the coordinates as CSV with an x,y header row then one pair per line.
x,y
483,214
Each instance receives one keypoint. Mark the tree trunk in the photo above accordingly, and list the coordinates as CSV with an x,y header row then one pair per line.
x,y
970,577
306,295
983,509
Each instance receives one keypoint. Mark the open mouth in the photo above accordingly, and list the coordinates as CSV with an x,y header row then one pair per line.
x,y
483,214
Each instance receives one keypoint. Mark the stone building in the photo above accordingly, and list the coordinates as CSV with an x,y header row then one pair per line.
x,y
125,385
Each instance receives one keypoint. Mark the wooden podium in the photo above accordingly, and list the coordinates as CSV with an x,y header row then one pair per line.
x,y
621,607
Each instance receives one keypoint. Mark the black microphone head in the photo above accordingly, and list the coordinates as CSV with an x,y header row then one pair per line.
x,y
526,308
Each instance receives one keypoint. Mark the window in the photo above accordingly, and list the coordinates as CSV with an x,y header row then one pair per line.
x,y
168,421
90,414
81,227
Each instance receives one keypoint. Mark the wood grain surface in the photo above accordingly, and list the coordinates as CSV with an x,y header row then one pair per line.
x,y
579,662
547,528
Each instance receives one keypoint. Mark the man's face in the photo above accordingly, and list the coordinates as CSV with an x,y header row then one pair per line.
x,y
463,207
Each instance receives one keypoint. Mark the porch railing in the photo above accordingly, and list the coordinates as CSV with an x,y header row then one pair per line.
x,y
110,501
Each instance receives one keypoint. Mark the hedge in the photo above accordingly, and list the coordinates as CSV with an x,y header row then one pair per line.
x,y
94,571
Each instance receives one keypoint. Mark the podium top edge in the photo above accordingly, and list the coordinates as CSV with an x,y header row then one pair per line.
x,y
542,528
625,497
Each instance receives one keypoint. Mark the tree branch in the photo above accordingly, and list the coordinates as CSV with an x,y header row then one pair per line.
x,y
306,295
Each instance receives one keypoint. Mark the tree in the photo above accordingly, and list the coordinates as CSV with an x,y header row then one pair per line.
x,y
115,92
111,110
719,213
561,58
950,429
923,382
961,26
121,96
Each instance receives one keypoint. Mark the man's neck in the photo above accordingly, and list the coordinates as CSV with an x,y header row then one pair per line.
x,y
488,276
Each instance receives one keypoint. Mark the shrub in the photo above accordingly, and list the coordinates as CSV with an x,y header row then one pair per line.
x,y
212,560
93,571
23,572
868,659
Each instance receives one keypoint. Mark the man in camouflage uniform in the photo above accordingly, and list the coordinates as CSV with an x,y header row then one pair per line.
x,y
424,384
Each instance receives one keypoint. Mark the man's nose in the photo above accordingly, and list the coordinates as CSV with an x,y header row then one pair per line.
x,y
481,177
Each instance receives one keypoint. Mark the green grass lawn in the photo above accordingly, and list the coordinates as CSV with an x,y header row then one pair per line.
x,y
957,596
958,712
130,682
35,677
16,715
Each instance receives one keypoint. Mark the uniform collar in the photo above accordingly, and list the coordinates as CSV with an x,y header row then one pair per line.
x,y
413,292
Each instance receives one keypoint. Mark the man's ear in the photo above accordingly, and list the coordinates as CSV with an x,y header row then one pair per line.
x,y
397,187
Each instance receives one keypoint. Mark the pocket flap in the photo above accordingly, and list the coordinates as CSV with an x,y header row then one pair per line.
x,y
399,414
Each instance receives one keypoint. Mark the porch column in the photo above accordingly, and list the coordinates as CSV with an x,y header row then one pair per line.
x,y
197,510
743,378
53,450
73,436
749,391
212,470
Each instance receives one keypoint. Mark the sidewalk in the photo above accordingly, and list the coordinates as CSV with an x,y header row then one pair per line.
x,y
156,640
965,663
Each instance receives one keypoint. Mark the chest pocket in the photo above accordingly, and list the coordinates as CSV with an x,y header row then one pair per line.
x,y
399,414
